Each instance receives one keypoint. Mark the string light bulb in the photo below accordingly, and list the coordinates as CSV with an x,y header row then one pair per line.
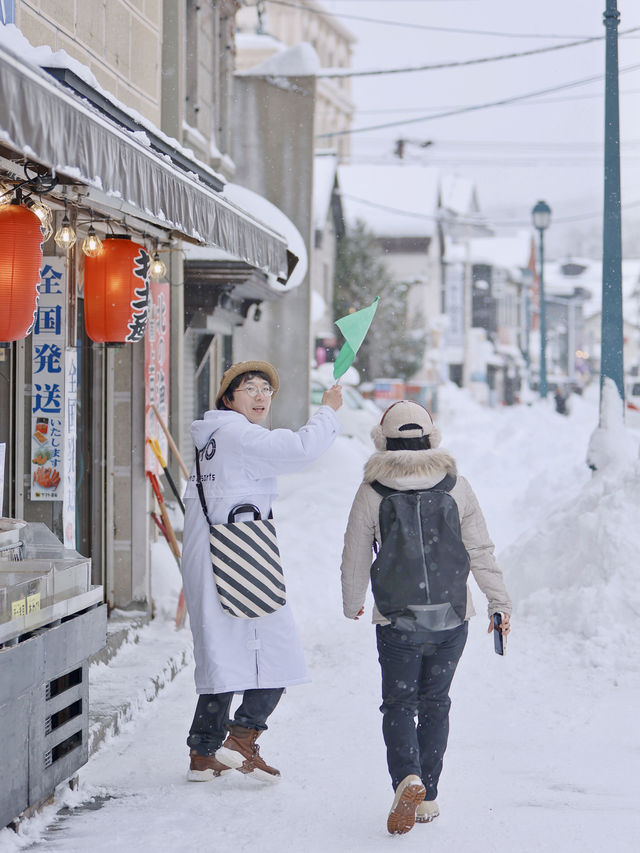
x,y
65,235
92,244
158,269
41,210
5,194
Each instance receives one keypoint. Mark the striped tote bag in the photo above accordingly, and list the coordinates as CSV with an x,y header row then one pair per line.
x,y
246,564
246,561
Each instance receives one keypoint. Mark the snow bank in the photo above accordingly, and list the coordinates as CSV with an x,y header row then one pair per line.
x,y
578,573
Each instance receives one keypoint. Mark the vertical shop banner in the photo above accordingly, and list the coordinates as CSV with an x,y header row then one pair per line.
x,y
47,384
157,371
69,463
3,449
454,304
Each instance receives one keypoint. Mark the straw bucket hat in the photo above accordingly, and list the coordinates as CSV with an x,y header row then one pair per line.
x,y
247,367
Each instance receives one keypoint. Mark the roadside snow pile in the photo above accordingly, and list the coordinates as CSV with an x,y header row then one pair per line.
x,y
568,541
578,574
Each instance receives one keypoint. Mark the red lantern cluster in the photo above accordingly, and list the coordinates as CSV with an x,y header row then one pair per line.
x,y
20,262
116,292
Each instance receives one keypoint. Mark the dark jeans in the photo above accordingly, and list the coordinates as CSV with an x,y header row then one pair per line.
x,y
417,671
209,727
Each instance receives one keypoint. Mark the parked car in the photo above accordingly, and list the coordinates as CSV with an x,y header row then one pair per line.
x,y
357,416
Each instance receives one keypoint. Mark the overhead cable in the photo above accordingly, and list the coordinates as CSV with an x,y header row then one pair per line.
x,y
482,219
413,26
334,73
473,108
583,97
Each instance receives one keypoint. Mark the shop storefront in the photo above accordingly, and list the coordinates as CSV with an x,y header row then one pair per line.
x,y
94,210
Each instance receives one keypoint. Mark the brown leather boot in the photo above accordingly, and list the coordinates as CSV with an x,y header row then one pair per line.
x,y
241,751
204,768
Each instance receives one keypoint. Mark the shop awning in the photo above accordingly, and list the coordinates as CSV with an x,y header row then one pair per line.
x,y
43,121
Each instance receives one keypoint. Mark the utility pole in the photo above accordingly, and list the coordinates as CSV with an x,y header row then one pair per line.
x,y
612,361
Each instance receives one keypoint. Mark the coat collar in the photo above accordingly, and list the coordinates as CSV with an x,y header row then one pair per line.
x,y
409,469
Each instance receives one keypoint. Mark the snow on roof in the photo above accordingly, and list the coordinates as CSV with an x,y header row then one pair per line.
x,y
44,57
274,218
458,195
505,252
511,252
325,165
258,41
301,60
393,201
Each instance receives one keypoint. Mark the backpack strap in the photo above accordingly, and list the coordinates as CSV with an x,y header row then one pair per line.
x,y
445,485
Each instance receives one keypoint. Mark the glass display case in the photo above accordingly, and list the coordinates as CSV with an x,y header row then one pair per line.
x,y
41,581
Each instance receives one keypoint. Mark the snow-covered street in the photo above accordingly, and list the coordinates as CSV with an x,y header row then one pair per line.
x,y
544,752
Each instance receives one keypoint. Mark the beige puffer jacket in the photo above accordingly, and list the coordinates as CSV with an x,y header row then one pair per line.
x,y
415,469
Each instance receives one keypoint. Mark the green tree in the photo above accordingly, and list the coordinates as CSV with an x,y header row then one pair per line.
x,y
393,347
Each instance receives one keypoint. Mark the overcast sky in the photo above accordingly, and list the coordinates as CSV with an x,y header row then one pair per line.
x,y
550,147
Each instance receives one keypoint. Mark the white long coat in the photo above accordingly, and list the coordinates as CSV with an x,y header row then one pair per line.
x,y
239,465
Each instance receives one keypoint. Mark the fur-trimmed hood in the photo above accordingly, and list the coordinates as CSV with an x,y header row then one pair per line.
x,y
409,469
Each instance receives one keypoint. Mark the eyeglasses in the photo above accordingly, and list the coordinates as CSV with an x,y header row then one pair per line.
x,y
254,390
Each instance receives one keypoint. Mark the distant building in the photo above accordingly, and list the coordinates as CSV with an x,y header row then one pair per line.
x,y
583,278
268,28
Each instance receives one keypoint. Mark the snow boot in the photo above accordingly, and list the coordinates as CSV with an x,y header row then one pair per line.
x,y
409,794
204,768
241,751
427,811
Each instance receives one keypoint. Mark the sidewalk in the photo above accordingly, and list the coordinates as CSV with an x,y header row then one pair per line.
x,y
141,657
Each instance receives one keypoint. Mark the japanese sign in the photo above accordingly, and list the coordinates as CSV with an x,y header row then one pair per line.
x,y
47,378
454,304
69,463
157,370
140,305
3,448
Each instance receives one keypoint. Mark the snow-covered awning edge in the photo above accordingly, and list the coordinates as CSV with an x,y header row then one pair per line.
x,y
40,119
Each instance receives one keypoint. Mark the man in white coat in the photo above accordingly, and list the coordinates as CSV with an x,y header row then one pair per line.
x,y
239,460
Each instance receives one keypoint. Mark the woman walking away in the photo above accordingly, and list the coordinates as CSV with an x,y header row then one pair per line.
x,y
237,461
428,530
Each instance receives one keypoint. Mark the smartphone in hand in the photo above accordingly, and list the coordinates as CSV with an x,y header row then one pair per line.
x,y
499,643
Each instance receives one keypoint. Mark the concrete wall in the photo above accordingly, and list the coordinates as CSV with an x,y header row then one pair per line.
x,y
273,150
119,40
333,44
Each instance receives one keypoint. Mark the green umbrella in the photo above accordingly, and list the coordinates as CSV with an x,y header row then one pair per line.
x,y
354,327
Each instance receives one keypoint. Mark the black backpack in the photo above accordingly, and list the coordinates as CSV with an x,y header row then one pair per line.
x,y
419,576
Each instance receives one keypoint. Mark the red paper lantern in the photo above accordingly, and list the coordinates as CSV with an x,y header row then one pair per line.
x,y
116,292
20,262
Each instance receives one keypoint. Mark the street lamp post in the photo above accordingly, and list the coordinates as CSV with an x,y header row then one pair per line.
x,y
612,364
541,215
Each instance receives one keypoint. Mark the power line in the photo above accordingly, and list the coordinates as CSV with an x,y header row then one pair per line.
x,y
473,108
584,97
481,220
462,63
433,28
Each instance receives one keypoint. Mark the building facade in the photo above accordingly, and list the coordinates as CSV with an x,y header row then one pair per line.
x,y
128,133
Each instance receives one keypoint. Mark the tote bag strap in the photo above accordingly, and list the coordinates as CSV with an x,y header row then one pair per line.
x,y
203,502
